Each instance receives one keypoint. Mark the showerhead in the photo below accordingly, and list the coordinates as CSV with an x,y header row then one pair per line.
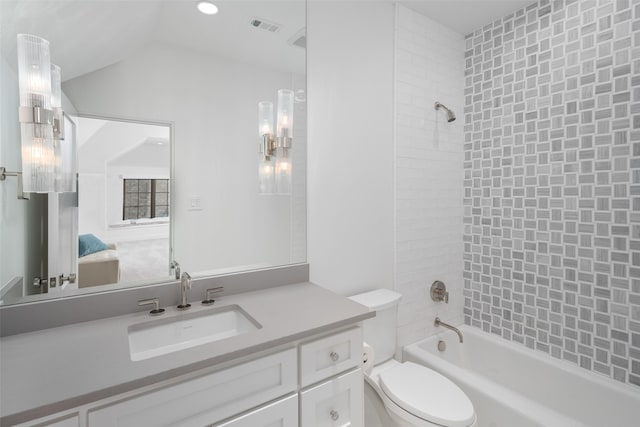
x,y
450,115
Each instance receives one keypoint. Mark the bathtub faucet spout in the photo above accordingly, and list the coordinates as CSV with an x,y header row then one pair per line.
x,y
438,322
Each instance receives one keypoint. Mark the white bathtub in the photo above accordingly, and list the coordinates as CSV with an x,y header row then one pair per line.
x,y
513,386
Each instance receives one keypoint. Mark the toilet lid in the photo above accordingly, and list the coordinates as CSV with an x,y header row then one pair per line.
x,y
427,395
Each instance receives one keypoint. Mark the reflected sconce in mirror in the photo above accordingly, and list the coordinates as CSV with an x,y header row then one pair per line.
x,y
275,163
266,161
48,164
64,152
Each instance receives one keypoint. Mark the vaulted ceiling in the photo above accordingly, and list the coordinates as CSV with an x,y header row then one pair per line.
x,y
87,35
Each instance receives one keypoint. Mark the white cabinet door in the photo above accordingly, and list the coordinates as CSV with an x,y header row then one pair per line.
x,y
283,413
335,403
206,400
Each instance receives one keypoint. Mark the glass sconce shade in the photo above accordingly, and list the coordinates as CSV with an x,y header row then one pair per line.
x,y
67,160
64,149
57,164
266,175
56,87
34,78
265,118
285,113
34,71
56,101
38,158
274,164
283,171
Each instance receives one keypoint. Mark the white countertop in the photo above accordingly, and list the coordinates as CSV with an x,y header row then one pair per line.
x,y
51,370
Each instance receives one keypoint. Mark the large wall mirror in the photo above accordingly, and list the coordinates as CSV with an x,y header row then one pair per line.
x,y
160,105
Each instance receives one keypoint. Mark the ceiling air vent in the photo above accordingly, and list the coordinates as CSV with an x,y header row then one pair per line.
x,y
263,24
299,39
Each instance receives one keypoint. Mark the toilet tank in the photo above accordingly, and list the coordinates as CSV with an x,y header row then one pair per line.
x,y
380,331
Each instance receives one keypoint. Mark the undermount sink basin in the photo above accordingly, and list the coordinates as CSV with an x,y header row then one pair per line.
x,y
186,330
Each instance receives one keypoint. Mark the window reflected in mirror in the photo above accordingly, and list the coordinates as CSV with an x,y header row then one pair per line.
x,y
145,198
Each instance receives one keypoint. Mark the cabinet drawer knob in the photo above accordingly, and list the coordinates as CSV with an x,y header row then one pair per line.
x,y
334,356
334,415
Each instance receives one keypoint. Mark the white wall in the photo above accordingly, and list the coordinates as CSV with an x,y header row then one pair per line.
x,y
350,193
384,214
213,104
429,173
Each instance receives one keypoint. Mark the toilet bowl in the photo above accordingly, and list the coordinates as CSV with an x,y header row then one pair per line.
x,y
416,396
413,395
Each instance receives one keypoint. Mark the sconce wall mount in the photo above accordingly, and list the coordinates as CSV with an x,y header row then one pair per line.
x,y
3,176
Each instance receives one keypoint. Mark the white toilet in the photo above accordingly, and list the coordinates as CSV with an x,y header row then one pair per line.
x,y
413,395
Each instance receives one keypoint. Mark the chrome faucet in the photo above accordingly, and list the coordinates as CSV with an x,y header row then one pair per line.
x,y
185,284
438,322
175,266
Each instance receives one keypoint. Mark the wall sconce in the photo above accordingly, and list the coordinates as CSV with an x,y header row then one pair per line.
x,y
274,175
64,152
48,165
266,163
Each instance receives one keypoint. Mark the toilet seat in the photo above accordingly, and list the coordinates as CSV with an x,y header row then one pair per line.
x,y
427,395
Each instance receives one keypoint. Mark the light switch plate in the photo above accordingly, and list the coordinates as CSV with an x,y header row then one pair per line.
x,y
195,203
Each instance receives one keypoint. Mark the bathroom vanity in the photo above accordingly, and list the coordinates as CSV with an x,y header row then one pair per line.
x,y
298,363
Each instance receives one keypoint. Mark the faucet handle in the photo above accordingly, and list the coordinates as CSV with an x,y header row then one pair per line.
x,y
211,291
186,279
156,304
176,267
439,292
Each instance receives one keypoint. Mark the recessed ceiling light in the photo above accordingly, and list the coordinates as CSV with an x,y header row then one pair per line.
x,y
207,8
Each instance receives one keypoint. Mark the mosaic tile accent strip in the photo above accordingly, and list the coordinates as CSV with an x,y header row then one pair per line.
x,y
552,182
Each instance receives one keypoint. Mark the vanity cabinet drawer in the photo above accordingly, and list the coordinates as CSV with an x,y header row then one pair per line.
x,y
329,356
283,413
338,402
207,400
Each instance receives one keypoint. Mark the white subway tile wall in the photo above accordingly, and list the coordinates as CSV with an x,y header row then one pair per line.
x,y
552,182
429,67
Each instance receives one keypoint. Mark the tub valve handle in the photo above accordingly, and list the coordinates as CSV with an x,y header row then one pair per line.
x,y
439,292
